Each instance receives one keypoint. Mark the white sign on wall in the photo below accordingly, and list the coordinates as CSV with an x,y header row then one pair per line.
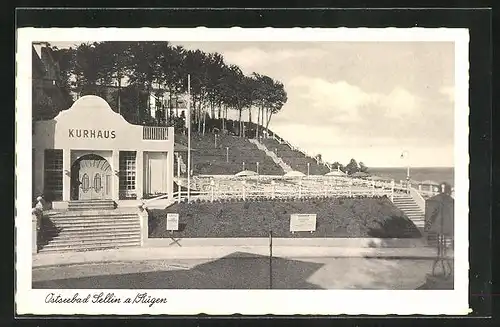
x,y
302,223
172,221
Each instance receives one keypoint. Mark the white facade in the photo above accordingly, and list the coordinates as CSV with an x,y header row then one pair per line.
x,y
90,152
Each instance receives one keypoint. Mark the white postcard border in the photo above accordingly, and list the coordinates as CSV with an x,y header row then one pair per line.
x,y
251,302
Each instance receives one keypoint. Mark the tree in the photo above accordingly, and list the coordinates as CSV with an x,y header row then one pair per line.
x,y
363,168
144,67
336,165
352,167
276,99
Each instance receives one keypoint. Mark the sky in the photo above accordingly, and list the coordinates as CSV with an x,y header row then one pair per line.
x,y
364,100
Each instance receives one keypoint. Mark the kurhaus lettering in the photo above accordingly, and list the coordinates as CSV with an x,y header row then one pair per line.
x,y
91,133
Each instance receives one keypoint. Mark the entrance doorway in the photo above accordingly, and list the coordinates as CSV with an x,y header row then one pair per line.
x,y
91,178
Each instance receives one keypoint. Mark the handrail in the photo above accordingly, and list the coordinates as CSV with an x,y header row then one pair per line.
x,y
417,197
157,133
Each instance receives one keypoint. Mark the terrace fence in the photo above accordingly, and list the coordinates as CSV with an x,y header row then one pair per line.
x,y
219,187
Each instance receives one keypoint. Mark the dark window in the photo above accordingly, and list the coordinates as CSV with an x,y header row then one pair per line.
x,y
127,175
53,175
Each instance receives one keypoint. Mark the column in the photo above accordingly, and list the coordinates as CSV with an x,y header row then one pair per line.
x,y
115,166
170,174
66,175
139,174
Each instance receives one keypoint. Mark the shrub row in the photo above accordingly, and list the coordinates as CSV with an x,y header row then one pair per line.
x,y
284,199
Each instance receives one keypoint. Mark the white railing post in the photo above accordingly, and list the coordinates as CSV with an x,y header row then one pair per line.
x,y
308,169
244,189
212,184
392,190
227,154
273,190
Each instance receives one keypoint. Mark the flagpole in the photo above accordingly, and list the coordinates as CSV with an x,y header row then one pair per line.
x,y
188,117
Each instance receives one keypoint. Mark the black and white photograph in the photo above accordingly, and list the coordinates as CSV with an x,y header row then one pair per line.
x,y
173,170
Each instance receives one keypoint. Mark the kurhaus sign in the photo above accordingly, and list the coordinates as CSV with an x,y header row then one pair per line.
x,y
91,133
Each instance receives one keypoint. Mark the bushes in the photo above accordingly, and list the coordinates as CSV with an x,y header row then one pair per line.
x,y
336,217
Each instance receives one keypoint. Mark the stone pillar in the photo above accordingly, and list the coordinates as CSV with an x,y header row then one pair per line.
x,y
143,219
66,175
170,174
115,166
139,174
34,229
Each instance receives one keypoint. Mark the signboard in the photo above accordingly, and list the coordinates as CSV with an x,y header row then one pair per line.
x,y
172,221
302,223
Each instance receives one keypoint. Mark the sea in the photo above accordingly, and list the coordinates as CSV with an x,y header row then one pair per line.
x,y
437,174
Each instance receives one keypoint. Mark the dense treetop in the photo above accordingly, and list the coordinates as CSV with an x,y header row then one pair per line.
x,y
127,73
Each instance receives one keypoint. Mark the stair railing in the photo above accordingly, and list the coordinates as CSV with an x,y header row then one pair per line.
x,y
417,197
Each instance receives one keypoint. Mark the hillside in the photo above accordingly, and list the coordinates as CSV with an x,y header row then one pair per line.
x,y
207,159
210,157
339,217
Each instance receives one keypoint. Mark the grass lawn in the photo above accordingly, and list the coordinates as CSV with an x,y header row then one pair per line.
x,y
336,217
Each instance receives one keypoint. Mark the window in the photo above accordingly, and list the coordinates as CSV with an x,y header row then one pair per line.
x,y
97,183
127,175
53,175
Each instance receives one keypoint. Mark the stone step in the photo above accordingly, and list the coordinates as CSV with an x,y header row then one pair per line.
x,y
91,207
94,230
90,214
93,218
86,225
90,247
110,238
96,202
92,201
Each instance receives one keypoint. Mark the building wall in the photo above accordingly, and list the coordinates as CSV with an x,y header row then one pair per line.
x,y
91,126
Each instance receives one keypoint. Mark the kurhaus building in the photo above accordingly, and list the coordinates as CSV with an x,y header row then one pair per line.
x,y
90,152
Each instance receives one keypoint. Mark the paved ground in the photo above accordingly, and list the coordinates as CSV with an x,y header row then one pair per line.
x,y
207,251
240,271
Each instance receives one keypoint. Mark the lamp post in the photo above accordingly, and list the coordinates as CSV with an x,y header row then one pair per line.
x,y
406,155
257,167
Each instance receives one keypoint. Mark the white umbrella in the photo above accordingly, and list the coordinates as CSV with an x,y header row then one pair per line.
x,y
429,182
246,173
377,178
294,173
335,173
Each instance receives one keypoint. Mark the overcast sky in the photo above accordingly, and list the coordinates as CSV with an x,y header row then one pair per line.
x,y
363,100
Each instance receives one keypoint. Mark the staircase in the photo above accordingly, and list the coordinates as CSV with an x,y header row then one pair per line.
x,y
79,205
277,160
77,230
406,204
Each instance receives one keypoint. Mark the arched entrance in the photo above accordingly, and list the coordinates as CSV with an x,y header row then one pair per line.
x,y
91,178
